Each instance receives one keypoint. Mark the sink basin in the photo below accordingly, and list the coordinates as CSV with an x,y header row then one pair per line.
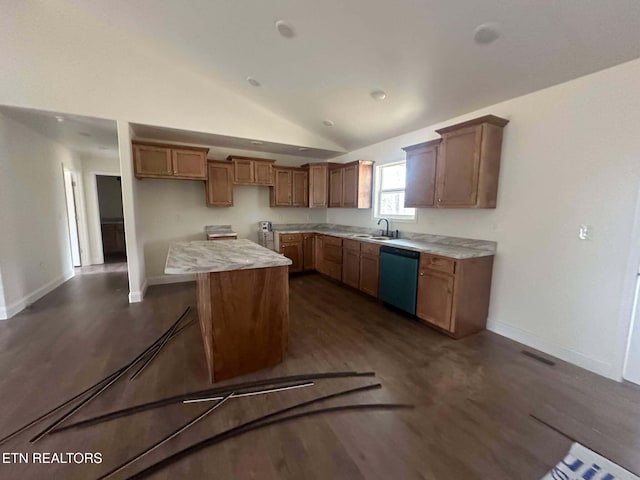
x,y
362,235
380,238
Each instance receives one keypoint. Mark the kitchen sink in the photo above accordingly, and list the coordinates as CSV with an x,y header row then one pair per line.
x,y
362,235
380,238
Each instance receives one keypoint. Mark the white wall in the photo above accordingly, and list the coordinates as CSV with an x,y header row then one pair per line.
x,y
93,165
175,210
571,156
133,217
35,254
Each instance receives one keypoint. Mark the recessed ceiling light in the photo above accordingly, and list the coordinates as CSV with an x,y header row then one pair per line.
x,y
256,142
486,33
327,123
59,118
253,82
378,95
84,134
302,149
285,29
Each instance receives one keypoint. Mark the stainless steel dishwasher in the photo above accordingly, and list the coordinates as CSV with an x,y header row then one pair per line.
x,y
399,278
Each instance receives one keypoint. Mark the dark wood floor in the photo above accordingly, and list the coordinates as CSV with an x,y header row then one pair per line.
x,y
473,396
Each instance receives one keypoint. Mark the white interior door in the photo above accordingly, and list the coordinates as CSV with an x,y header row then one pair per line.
x,y
632,366
69,191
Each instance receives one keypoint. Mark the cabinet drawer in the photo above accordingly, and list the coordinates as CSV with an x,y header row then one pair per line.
x,y
369,248
442,264
353,245
290,237
335,241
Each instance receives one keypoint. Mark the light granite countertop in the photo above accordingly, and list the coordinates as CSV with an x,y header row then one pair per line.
x,y
206,256
452,247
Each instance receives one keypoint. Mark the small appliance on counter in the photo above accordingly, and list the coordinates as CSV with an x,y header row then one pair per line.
x,y
264,226
265,235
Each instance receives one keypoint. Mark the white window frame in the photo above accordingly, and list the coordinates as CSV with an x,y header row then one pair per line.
x,y
377,190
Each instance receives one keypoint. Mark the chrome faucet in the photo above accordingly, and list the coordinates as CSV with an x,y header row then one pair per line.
x,y
385,232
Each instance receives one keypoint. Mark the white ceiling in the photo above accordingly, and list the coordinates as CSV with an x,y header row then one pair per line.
x,y
421,52
87,135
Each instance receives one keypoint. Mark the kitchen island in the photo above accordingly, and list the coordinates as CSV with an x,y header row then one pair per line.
x,y
243,303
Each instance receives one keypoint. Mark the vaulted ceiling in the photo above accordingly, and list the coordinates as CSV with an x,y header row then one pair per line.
x,y
422,53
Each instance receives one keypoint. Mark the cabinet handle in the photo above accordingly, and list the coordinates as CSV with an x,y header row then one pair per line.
x,y
422,274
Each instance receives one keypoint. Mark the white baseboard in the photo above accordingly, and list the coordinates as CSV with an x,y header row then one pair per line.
x,y
166,279
138,296
568,355
12,309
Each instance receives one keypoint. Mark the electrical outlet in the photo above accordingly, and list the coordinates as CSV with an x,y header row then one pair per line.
x,y
585,232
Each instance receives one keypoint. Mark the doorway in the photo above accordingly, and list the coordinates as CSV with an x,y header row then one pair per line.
x,y
109,190
70,186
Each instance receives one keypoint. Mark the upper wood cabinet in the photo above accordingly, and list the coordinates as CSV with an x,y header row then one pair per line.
x,y
469,163
350,184
460,170
335,187
152,160
318,185
420,189
219,184
252,171
289,188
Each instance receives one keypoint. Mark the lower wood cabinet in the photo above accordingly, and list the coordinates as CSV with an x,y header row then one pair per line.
x,y
453,295
113,240
309,251
329,256
369,268
351,263
292,247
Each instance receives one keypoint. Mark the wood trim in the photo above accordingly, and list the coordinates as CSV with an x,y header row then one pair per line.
x,y
491,119
173,146
238,157
423,145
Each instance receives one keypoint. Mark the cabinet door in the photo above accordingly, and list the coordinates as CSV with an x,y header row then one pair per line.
x,y
319,259
369,273
435,297
421,177
318,188
189,164
219,184
351,267
309,251
263,173
243,172
294,252
350,187
282,188
152,161
299,189
459,167
335,187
